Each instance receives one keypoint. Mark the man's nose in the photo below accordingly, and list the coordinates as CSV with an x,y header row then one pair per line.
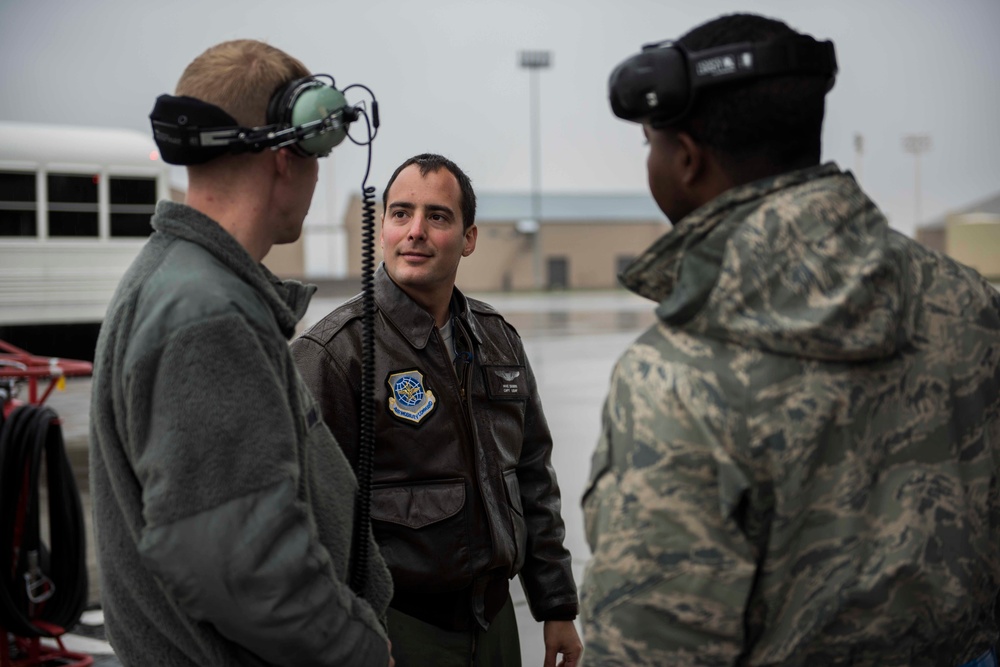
x,y
418,227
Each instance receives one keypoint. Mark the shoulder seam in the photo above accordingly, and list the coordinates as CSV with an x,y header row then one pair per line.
x,y
346,313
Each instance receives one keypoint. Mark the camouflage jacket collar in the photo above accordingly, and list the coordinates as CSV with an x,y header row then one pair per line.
x,y
655,273
802,263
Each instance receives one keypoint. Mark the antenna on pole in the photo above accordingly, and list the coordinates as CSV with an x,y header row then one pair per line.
x,y
859,149
916,144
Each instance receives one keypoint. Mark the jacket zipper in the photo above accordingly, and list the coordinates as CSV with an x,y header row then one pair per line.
x,y
470,422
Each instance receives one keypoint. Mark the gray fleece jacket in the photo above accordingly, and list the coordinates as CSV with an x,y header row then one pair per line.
x,y
222,504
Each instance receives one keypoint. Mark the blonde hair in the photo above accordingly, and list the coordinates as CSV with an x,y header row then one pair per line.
x,y
240,76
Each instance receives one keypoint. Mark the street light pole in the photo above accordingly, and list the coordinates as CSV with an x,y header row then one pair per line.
x,y
534,61
916,144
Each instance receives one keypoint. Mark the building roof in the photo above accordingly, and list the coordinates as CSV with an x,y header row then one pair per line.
x,y
575,207
990,205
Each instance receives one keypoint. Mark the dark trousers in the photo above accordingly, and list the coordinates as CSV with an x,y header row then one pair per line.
x,y
419,644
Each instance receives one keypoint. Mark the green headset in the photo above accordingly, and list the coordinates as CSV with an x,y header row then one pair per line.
x,y
307,115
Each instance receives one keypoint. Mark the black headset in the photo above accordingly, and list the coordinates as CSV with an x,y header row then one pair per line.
x,y
660,83
307,115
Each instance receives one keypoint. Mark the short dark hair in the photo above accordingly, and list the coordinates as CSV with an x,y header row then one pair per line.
x,y
429,162
777,119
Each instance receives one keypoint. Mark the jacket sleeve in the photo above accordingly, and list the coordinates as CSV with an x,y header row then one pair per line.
x,y
672,571
335,391
547,574
226,531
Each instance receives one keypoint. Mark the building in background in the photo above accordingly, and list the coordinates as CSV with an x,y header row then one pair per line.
x,y
75,204
288,260
585,240
970,235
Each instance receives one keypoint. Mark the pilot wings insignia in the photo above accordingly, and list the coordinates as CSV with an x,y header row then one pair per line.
x,y
507,383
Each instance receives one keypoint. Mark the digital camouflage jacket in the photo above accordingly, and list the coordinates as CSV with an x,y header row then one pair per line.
x,y
799,462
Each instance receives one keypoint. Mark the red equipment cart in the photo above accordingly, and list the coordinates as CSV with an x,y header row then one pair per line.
x,y
18,367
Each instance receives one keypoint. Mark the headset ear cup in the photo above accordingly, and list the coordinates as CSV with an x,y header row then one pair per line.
x,y
317,103
278,105
304,101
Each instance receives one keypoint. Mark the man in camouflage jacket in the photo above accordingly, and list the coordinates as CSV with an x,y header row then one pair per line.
x,y
799,461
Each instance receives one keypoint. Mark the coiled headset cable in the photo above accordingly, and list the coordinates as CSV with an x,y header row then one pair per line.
x,y
364,466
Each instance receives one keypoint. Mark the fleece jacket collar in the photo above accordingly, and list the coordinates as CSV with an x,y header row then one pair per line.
x,y
287,299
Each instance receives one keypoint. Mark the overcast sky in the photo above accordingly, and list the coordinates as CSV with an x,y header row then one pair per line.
x,y
447,81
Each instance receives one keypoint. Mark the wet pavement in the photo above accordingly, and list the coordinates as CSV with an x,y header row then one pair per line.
x,y
572,340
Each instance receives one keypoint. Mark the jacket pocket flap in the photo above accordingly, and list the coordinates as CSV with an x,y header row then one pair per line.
x,y
419,505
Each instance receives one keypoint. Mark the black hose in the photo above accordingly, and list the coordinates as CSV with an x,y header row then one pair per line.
x,y
366,442
43,588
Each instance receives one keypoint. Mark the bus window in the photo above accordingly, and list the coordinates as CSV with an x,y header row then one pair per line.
x,y
18,204
133,201
72,205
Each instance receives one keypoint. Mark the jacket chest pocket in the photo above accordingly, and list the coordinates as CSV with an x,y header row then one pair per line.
x,y
499,406
418,505
421,532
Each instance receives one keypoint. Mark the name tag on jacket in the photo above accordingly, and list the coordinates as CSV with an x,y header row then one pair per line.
x,y
506,382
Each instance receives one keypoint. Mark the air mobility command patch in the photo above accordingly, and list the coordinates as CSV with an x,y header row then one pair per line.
x,y
409,399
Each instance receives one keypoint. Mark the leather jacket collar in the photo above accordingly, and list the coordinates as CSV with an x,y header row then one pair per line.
x,y
409,318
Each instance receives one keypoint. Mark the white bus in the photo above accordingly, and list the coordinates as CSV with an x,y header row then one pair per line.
x,y
75,204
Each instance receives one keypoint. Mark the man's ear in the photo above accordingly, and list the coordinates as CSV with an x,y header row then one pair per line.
x,y
690,156
283,162
470,240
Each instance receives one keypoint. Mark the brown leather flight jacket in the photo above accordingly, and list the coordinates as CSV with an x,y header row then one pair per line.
x,y
463,483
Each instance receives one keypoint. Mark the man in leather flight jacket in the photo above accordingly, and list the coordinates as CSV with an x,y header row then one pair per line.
x,y
464,494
